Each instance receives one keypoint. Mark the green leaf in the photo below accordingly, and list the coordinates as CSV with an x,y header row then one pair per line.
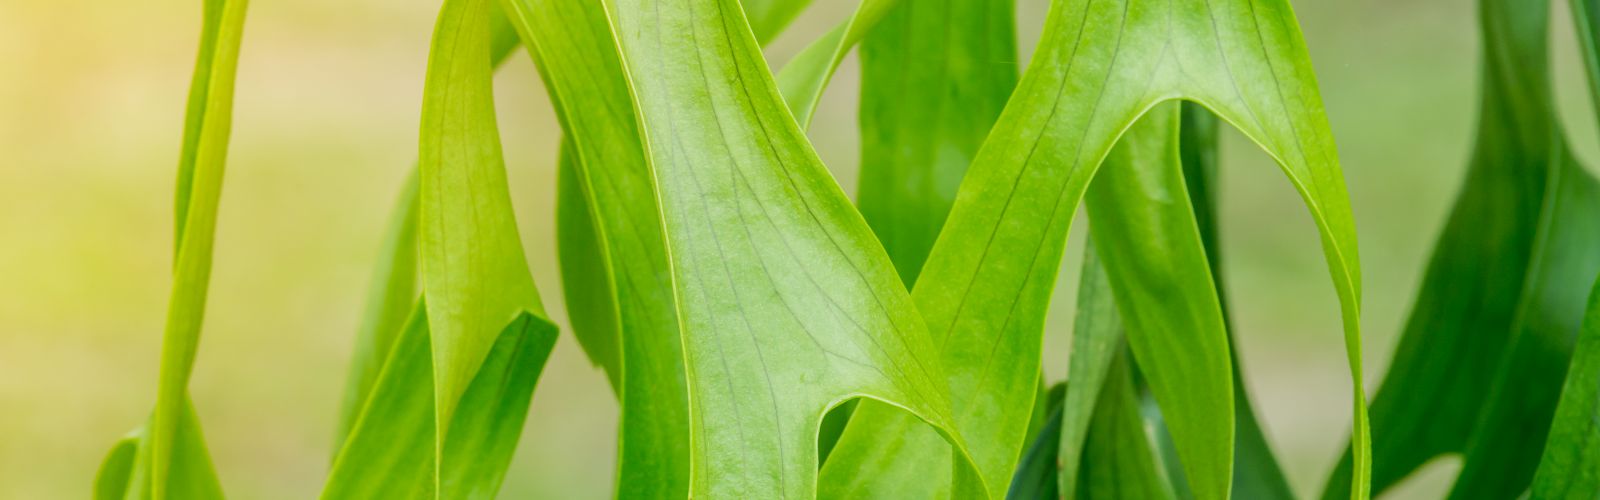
x,y
1119,457
1096,339
787,303
1479,367
1036,473
804,78
1570,467
922,118
1256,473
390,451
1100,65
394,287
389,299
479,340
1100,448
112,480
609,214
586,283
768,18
1146,235
473,271
933,80
169,459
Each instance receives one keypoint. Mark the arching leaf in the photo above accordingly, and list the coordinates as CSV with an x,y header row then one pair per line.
x,y
788,306
1100,65
394,288
479,338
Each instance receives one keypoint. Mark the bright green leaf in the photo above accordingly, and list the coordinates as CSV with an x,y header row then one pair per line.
x,y
1147,238
171,460
390,451
479,340
1096,338
394,287
1100,65
788,305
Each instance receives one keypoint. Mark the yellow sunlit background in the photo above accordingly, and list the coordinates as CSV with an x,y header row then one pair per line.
x,y
326,122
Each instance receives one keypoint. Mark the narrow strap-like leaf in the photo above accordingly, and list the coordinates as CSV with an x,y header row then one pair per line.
x,y
768,18
1119,456
1256,473
389,299
1570,468
788,304
1096,339
170,458
805,76
1036,473
610,212
1146,235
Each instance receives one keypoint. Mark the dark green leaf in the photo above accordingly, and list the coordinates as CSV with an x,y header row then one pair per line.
x,y
1480,364
1570,468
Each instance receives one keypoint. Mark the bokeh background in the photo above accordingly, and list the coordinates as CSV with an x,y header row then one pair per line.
x,y
91,107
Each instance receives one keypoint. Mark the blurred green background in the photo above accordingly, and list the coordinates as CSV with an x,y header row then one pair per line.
x,y
91,105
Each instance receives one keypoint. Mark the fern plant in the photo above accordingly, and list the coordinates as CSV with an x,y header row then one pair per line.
x,y
766,337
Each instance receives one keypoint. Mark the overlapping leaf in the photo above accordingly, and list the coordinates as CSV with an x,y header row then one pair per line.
x,y
394,288
1100,65
168,457
613,249
1480,364
787,304
935,75
443,416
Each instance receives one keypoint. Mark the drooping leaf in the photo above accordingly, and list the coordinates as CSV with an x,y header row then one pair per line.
x,y
1256,473
1100,65
1570,467
473,269
1147,238
169,458
443,417
1480,364
394,287
788,304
